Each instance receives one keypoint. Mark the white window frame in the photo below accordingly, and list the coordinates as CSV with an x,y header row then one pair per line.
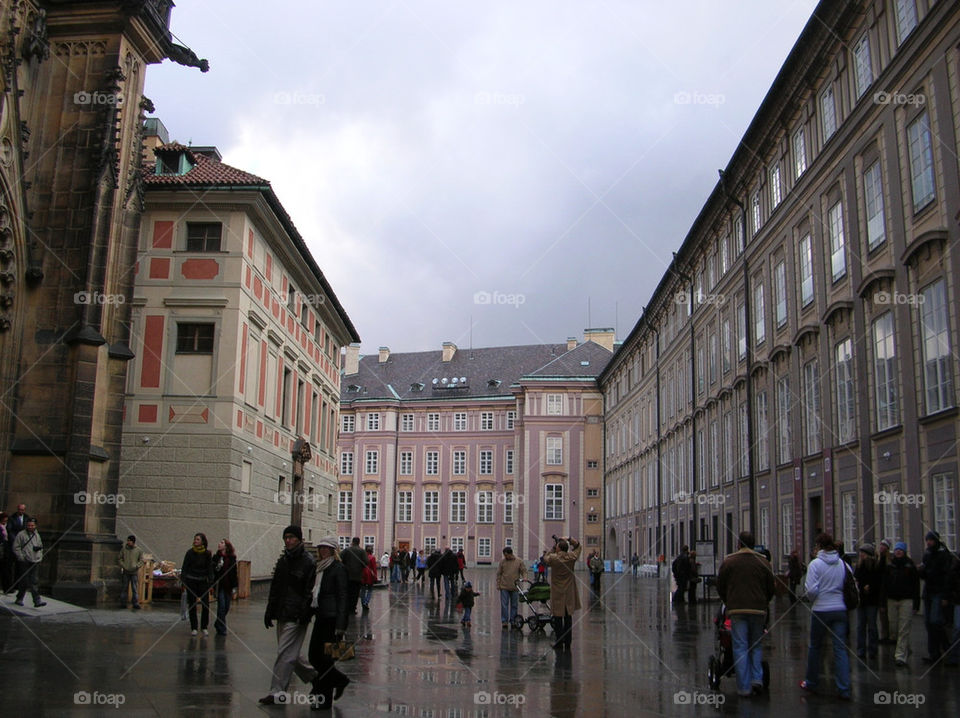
x,y
845,391
885,380
371,504
828,113
935,348
348,423
759,315
485,462
805,265
944,507
373,421
406,422
922,173
511,420
433,421
486,421
458,507
811,408
873,205
508,507
762,427
345,505
405,507
371,465
838,243
460,421
863,67
459,462
799,153
484,548
431,463
553,508
508,468
848,507
406,463
346,463
786,528
554,404
484,507
776,187
554,451
780,292
431,507
784,434
906,19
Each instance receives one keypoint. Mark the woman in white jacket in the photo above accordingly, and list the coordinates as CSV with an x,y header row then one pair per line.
x,y
825,576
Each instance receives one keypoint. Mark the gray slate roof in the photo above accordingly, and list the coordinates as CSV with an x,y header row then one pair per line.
x,y
586,360
400,375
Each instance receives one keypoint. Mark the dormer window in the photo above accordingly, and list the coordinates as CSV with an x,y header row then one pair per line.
x,y
174,159
493,383
418,386
354,388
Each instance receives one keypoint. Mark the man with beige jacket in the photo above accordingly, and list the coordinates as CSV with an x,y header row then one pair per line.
x,y
510,569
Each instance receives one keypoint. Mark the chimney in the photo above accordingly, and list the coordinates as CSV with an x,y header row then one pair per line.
x,y
351,359
449,349
571,343
384,354
604,337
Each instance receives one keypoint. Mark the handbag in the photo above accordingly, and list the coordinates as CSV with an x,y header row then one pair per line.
x,y
851,594
339,650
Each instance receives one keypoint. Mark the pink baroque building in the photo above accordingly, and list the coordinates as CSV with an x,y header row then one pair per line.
x,y
233,395
472,449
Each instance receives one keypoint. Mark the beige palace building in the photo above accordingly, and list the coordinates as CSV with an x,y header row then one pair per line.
x,y
796,368
236,380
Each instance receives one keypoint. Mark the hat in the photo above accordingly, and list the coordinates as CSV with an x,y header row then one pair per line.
x,y
867,548
295,530
900,546
329,542
131,537
468,585
507,549
932,536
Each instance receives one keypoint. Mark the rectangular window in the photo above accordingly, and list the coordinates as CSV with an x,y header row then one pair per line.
x,y
935,344
799,153
406,463
554,404
372,465
406,422
348,423
786,529
458,507
805,261
724,254
757,216
433,422
726,347
741,331
460,421
729,447
457,543
194,338
714,351
511,420
873,199
432,463
346,463
784,435
885,372
759,323
891,513
864,70
743,432
370,502
484,507
828,114
945,508
763,445
848,502
906,22
553,502
405,506
486,421
738,235
780,292
203,236
776,189
373,422
715,469
484,551
921,162
429,544
508,463
459,462
345,506
486,462
845,397
811,406
838,255
431,507
508,507
554,450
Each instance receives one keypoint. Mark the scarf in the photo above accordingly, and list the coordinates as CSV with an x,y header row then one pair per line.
x,y
200,549
321,567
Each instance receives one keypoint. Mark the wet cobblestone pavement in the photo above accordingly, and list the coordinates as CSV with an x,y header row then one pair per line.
x,y
633,655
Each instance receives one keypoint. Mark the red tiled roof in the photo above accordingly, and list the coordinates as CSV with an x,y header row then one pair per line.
x,y
206,172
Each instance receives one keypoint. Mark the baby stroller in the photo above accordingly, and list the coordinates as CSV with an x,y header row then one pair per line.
x,y
721,663
534,595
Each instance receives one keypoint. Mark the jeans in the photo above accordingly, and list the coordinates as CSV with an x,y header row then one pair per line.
x,y
224,596
366,591
395,573
131,579
836,624
746,632
935,620
450,585
509,600
467,610
867,634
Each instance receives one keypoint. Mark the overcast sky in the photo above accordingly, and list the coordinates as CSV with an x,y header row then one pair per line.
x,y
504,165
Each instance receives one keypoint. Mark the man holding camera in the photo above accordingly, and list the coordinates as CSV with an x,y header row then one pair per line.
x,y
564,596
28,550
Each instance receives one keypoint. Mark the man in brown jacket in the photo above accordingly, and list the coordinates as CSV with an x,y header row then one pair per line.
x,y
510,569
564,591
745,585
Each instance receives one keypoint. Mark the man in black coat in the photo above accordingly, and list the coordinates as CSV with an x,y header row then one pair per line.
x,y
433,570
449,568
289,605
681,573
354,559
935,572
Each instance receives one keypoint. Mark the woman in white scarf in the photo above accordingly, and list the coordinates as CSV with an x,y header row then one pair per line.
x,y
329,605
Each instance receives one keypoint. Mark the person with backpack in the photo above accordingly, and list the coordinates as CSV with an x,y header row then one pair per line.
x,y
826,575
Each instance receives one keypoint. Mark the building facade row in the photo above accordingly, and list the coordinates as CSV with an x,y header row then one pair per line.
x,y
796,368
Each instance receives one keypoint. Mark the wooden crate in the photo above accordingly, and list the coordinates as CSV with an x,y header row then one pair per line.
x,y
243,579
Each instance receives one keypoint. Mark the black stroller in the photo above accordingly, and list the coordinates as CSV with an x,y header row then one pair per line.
x,y
721,663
